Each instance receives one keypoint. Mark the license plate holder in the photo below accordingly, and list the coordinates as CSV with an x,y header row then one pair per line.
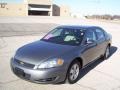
x,y
19,72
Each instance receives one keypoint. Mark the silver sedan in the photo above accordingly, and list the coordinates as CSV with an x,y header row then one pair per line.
x,y
60,54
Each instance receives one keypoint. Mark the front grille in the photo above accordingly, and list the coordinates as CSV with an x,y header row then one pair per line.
x,y
21,63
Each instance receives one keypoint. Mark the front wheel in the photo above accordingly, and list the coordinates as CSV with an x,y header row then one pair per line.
x,y
73,72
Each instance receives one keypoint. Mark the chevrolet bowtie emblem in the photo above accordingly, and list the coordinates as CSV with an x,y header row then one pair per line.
x,y
22,63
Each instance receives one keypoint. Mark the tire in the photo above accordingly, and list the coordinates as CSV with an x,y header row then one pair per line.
x,y
107,53
73,72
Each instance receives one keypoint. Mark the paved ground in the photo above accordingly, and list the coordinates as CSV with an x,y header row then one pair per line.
x,y
101,75
13,29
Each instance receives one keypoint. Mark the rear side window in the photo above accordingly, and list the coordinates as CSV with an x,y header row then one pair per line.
x,y
90,35
100,34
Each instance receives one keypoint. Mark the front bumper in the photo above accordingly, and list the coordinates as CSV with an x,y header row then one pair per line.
x,y
53,75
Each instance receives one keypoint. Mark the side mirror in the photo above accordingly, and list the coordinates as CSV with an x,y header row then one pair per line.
x,y
89,41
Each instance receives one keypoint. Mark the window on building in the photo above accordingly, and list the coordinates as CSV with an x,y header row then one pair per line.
x,y
65,11
2,5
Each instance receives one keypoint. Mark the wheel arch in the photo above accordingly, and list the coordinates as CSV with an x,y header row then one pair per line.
x,y
80,60
109,44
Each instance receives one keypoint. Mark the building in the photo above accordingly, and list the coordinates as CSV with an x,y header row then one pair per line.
x,y
63,11
13,9
56,10
33,7
40,7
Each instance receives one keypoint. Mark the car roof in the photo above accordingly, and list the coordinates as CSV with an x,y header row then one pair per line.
x,y
77,27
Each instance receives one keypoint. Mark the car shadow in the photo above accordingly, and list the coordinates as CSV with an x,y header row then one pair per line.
x,y
91,66
113,49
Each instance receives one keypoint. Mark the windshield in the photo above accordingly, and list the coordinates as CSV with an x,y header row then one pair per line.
x,y
64,36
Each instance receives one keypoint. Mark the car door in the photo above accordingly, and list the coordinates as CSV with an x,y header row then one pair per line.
x,y
100,41
90,50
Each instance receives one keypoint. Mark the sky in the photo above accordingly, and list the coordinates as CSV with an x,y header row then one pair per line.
x,y
87,7
12,1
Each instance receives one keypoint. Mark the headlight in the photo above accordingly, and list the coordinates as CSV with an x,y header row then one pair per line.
x,y
51,64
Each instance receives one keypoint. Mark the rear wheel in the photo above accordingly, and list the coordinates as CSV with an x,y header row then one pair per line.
x,y
73,72
107,53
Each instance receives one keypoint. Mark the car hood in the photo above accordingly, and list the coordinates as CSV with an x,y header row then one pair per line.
x,y
39,51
